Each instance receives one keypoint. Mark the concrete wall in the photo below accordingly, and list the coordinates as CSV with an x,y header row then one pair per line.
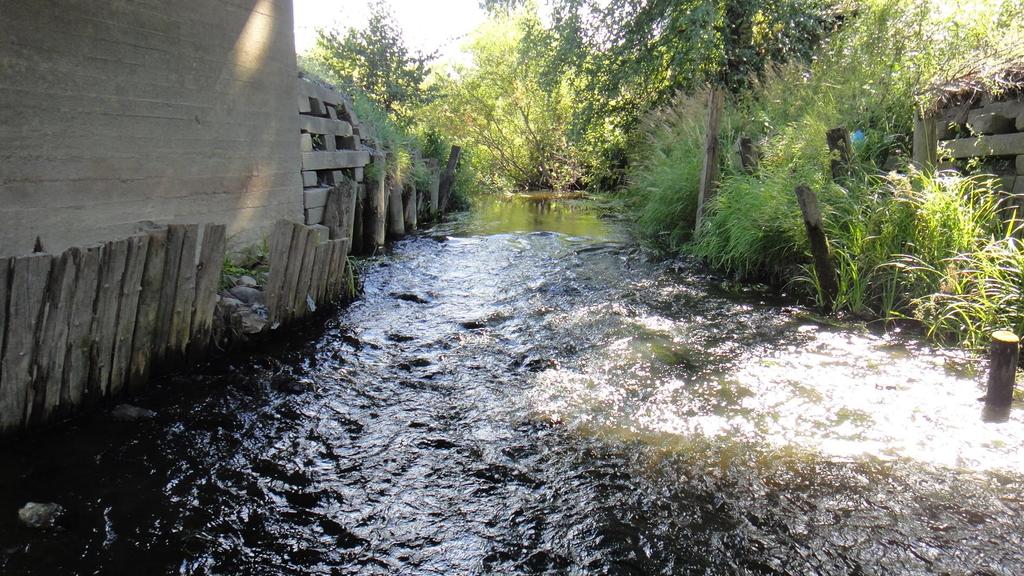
x,y
114,112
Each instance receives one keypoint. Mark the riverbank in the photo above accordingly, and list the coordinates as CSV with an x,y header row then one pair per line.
x,y
552,400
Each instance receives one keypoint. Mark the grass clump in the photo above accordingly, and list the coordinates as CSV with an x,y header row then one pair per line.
x,y
936,248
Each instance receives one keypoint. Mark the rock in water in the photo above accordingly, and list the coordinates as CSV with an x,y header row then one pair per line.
x,y
129,413
247,282
36,515
409,297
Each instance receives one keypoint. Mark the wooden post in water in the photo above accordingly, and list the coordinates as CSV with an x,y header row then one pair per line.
x,y
823,266
410,200
374,230
1002,373
926,142
709,172
435,187
396,211
842,151
448,178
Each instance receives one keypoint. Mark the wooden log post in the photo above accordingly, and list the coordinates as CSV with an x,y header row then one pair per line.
x,y
53,341
745,154
708,184
839,147
376,207
184,295
208,273
302,304
359,219
78,365
128,308
339,214
321,269
409,200
108,303
165,313
926,142
149,307
300,237
448,178
396,211
29,277
823,265
1002,374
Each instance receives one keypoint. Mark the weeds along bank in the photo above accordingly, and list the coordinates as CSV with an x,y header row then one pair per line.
x,y
937,247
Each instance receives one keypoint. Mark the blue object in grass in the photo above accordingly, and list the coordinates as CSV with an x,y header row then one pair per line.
x,y
857,137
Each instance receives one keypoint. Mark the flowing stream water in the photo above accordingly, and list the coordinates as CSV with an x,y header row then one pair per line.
x,y
524,391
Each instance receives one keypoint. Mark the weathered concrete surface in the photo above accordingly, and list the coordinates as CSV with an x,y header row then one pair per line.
x,y
116,112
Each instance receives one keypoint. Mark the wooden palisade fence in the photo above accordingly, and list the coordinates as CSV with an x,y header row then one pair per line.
x,y
93,321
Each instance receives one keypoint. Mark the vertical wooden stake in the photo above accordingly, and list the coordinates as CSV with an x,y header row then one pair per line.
x,y
709,173
842,151
1002,372
746,154
926,142
823,265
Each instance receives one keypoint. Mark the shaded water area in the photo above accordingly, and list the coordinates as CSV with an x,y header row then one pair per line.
x,y
523,391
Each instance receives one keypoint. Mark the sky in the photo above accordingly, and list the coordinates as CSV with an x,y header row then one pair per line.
x,y
426,25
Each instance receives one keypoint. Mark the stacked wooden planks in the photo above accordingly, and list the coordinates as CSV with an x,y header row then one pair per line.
x,y
307,271
92,321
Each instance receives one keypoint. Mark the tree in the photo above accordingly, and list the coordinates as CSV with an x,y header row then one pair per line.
x,y
374,60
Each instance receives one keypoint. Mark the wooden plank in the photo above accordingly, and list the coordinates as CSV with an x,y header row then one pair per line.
x,y
339,159
300,300
280,247
926,143
165,312
326,126
115,258
211,264
300,235
128,309
823,265
994,145
184,295
321,266
29,279
53,343
339,214
331,283
149,307
338,282
312,90
78,365
708,184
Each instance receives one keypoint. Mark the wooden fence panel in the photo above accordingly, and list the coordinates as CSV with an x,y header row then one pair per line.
x,y
29,278
149,308
184,296
211,264
53,341
115,257
83,316
131,290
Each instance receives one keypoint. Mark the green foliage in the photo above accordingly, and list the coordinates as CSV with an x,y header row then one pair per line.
x,y
498,106
917,246
375,60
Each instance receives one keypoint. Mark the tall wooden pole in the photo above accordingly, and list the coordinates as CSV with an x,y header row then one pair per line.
x,y
709,172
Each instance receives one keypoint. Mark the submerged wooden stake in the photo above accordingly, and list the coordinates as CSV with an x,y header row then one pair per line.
x,y
823,265
1002,372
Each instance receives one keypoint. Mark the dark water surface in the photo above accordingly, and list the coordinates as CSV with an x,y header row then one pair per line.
x,y
558,405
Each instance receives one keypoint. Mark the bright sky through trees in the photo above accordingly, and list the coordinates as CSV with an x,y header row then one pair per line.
x,y
427,25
